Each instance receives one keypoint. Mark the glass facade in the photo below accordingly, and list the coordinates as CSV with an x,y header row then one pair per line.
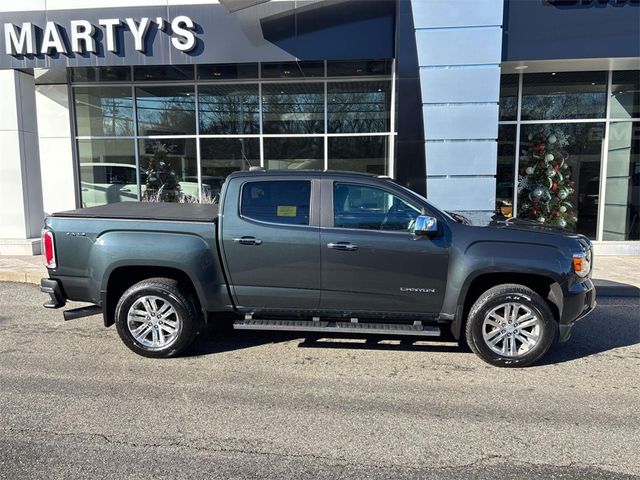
x,y
569,151
174,133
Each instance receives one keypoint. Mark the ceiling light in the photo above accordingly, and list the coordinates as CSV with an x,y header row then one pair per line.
x,y
553,73
520,67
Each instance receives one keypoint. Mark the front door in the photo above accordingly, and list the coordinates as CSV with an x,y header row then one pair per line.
x,y
271,244
371,262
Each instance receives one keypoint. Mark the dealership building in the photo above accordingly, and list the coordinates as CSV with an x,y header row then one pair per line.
x,y
490,108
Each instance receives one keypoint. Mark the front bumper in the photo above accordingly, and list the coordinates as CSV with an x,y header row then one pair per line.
x,y
578,302
54,289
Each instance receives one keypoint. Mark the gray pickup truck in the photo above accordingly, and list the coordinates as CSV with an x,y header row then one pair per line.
x,y
322,252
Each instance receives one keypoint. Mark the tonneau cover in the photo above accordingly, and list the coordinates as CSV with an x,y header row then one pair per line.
x,y
185,212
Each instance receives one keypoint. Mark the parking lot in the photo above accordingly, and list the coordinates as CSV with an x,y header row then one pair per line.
x,y
75,403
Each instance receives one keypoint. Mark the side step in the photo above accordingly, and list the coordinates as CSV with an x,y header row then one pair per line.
x,y
81,312
416,329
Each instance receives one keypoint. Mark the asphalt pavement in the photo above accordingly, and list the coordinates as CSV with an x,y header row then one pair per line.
x,y
76,403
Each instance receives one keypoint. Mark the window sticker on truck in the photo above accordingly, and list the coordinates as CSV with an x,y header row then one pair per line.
x,y
287,210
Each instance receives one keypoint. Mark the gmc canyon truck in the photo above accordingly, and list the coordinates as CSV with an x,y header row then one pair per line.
x,y
318,252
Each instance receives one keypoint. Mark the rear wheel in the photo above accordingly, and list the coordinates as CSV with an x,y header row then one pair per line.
x,y
156,318
510,326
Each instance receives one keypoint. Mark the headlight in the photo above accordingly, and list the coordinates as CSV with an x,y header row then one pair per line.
x,y
582,263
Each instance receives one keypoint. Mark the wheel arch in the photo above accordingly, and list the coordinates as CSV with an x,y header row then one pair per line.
x,y
121,278
545,286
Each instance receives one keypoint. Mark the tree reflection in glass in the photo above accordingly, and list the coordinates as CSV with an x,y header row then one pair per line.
x,y
293,108
359,107
166,110
547,96
229,109
104,111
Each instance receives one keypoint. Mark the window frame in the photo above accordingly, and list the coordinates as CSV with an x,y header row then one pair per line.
x,y
312,201
260,81
331,205
608,119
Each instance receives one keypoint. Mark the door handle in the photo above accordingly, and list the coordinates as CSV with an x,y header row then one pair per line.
x,y
248,241
344,246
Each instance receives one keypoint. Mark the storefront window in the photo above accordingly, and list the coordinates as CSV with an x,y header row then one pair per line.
x,y
559,175
293,108
350,68
358,107
225,71
625,94
169,170
508,97
358,154
564,95
222,156
229,109
166,110
163,73
505,173
285,115
107,171
293,70
104,111
296,153
101,74
622,192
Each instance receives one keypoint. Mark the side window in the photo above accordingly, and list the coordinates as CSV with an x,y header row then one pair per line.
x,y
370,208
285,201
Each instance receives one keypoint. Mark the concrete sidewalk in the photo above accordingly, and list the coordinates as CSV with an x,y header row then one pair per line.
x,y
613,276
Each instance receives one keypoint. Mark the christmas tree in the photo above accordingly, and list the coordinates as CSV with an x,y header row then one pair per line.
x,y
545,189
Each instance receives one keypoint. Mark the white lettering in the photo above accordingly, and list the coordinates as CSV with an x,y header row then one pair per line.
x,y
110,25
185,40
82,31
51,40
19,45
139,31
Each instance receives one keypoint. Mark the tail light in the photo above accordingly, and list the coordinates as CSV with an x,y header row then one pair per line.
x,y
49,249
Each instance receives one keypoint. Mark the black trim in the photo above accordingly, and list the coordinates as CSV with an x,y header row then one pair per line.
x,y
54,289
186,212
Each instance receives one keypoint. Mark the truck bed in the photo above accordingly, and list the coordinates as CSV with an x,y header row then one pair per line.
x,y
185,212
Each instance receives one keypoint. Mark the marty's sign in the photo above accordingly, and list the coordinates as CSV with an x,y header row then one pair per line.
x,y
81,36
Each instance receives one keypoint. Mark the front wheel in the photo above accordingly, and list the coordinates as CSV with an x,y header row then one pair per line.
x,y
510,326
156,318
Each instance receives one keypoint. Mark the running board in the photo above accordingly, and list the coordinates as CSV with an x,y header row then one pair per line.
x,y
342,327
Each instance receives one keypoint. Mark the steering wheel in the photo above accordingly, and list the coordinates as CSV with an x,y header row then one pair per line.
x,y
393,212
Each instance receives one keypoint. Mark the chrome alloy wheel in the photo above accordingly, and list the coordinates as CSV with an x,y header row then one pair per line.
x,y
153,322
511,329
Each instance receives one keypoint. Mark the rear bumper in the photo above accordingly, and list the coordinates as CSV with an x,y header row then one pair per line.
x,y
54,289
578,302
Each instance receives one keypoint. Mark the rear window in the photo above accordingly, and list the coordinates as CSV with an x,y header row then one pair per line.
x,y
285,201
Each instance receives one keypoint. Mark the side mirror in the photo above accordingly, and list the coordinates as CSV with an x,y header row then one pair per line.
x,y
426,226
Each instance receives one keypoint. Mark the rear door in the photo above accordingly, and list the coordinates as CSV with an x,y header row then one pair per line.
x,y
371,262
271,242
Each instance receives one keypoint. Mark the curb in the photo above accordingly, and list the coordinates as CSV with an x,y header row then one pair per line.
x,y
608,288
22,277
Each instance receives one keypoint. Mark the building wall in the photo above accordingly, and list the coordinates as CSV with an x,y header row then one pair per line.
x,y
55,144
459,54
20,167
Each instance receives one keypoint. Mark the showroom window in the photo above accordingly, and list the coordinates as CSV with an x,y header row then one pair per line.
x,y
180,130
569,151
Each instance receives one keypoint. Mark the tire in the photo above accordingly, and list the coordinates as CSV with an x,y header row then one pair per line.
x,y
156,318
510,325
